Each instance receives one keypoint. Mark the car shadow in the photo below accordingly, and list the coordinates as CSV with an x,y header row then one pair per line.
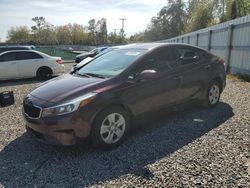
x,y
24,162
19,82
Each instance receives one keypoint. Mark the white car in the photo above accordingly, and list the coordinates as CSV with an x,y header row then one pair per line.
x,y
28,63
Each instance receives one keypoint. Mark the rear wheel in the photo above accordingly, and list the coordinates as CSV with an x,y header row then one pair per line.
x,y
110,128
44,73
212,94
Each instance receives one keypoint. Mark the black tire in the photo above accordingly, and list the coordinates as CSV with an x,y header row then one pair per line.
x,y
208,101
101,119
44,73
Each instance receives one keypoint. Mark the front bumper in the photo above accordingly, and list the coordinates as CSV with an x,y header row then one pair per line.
x,y
62,130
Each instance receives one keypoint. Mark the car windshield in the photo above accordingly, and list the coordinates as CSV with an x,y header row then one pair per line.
x,y
112,63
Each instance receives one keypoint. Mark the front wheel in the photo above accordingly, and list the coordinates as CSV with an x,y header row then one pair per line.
x,y
110,128
212,94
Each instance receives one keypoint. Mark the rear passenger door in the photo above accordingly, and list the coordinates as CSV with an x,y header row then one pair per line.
x,y
28,63
8,66
194,69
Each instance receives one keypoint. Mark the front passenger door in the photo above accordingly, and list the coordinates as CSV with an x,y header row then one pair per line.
x,y
147,95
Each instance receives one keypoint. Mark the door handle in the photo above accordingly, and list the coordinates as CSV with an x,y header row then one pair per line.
x,y
207,66
13,63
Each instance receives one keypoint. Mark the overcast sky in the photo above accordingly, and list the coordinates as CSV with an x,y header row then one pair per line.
x,y
60,12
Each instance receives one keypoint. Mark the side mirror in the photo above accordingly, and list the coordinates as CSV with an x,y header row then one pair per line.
x,y
147,74
6,98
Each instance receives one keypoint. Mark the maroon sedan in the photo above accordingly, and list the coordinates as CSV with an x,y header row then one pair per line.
x,y
100,99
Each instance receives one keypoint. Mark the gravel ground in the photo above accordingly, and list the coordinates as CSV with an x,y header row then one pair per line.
x,y
194,147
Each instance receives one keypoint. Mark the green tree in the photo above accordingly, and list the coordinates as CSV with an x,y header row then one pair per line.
x,y
201,16
92,31
43,32
78,34
102,31
18,35
63,35
202,13
98,31
40,23
47,36
116,39
137,37
237,8
169,22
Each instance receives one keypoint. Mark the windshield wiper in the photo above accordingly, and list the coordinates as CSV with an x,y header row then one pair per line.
x,y
85,75
94,75
88,75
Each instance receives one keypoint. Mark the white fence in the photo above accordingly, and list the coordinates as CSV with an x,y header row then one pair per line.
x,y
229,40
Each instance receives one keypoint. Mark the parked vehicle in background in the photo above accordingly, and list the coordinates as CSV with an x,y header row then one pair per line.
x,y
83,62
102,98
88,59
10,48
92,53
28,63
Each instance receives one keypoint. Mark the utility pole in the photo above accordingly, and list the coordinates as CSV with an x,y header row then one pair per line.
x,y
122,30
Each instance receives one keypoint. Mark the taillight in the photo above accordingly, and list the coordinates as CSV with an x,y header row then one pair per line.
x,y
59,61
221,61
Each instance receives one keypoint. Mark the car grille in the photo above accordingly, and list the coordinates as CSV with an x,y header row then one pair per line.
x,y
32,111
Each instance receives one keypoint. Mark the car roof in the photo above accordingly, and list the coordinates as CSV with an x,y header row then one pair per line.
x,y
28,47
24,51
153,45
146,46
21,51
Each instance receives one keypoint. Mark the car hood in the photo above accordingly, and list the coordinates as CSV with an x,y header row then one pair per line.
x,y
65,87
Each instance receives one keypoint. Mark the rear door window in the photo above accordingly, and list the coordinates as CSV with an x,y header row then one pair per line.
x,y
28,55
186,55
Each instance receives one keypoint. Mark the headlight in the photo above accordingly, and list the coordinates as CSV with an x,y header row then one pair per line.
x,y
70,106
